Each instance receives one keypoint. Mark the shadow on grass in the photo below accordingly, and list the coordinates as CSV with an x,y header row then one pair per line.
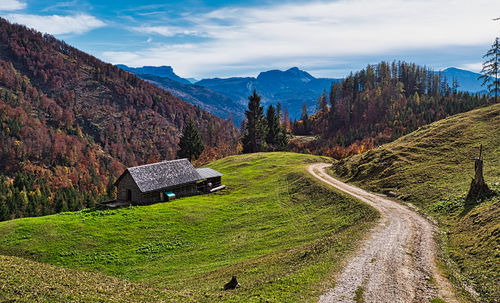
x,y
471,203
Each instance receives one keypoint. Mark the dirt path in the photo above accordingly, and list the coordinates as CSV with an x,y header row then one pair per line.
x,y
396,263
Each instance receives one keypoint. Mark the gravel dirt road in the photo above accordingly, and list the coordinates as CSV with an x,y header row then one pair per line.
x,y
397,260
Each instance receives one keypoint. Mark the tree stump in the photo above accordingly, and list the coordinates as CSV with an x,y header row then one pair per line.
x,y
478,188
233,284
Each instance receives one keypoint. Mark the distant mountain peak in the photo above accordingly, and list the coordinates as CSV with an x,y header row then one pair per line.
x,y
297,72
458,70
453,69
293,74
467,80
303,75
159,71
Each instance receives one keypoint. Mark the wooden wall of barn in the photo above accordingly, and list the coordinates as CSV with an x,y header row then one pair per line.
x,y
126,182
185,190
140,198
149,197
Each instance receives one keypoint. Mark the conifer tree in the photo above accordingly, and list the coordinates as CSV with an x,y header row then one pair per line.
x,y
334,92
89,201
304,115
490,71
23,200
190,144
60,204
4,211
110,188
33,202
283,139
279,112
273,128
305,119
254,138
322,105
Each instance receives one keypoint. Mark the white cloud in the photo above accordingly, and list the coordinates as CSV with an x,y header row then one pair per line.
x,y
312,33
11,5
475,67
167,31
56,24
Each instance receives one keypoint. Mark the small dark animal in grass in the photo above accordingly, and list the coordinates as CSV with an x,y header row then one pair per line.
x,y
233,284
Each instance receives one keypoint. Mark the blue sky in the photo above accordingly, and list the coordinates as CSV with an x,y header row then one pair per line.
x,y
205,39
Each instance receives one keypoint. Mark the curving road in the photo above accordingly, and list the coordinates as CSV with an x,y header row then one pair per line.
x,y
396,263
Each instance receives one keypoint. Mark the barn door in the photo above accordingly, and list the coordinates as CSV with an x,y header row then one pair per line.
x,y
129,195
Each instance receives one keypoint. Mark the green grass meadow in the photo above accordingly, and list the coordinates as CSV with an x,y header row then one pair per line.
x,y
280,231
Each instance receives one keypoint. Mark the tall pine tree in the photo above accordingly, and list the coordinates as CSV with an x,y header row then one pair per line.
x,y
322,105
190,144
273,129
110,188
304,117
490,71
283,139
254,138
279,112
4,211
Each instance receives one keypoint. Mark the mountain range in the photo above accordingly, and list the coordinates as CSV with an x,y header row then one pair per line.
x,y
292,88
227,97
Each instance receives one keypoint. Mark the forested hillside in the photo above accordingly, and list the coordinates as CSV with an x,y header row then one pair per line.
x,y
70,123
377,105
209,100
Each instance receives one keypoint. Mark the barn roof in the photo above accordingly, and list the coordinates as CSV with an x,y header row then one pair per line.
x,y
206,173
156,176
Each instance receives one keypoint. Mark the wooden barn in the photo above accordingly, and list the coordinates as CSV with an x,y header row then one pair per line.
x,y
163,181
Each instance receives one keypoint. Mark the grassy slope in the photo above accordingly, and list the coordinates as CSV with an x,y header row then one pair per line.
x,y
29,281
432,168
278,229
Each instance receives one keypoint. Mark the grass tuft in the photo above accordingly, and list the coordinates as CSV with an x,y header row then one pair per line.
x,y
437,300
359,294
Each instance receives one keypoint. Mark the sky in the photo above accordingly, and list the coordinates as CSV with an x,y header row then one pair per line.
x,y
207,39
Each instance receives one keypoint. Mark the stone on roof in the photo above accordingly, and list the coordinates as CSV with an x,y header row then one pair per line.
x,y
206,173
156,176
